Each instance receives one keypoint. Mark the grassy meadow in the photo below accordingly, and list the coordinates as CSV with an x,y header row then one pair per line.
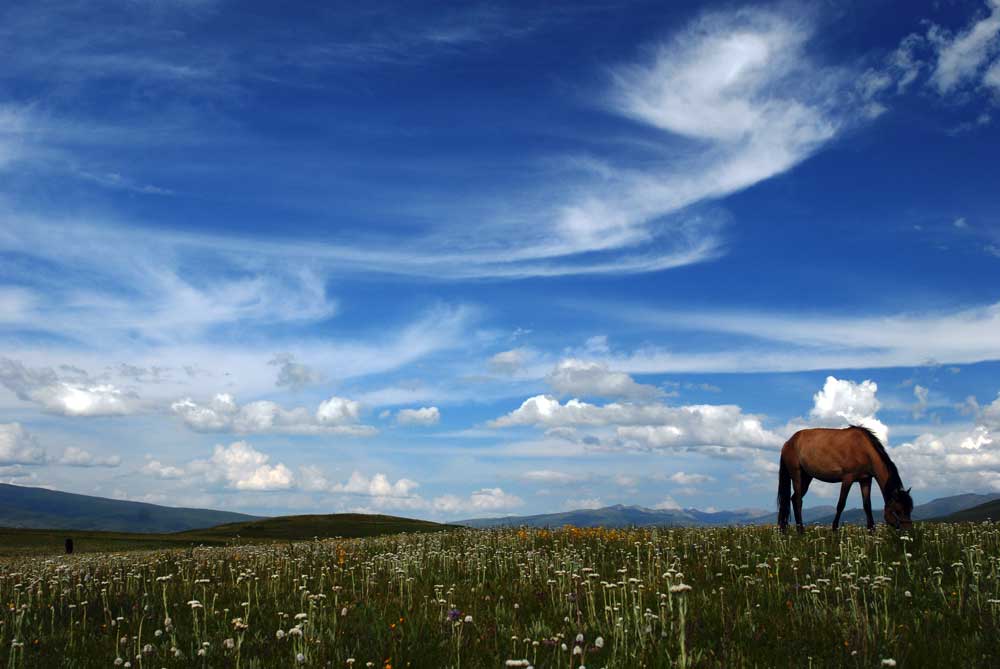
x,y
572,598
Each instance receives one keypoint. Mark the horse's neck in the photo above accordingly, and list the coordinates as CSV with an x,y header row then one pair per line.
x,y
882,475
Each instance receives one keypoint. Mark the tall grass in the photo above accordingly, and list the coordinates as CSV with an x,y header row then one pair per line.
x,y
571,598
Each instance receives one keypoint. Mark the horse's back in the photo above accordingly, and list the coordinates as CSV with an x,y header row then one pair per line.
x,y
826,453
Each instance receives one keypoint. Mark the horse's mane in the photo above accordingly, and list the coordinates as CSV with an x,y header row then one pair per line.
x,y
894,486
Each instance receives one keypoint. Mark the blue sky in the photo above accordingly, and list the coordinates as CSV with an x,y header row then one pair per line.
x,y
472,259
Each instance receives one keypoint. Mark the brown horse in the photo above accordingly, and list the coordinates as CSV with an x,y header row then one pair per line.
x,y
840,456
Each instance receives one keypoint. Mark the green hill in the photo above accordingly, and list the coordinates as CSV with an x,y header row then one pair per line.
x,y
18,541
297,528
28,507
987,511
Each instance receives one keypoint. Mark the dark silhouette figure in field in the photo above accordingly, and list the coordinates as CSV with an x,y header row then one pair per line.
x,y
840,456
69,546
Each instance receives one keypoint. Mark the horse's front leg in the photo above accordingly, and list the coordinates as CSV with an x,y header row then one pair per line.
x,y
866,498
845,488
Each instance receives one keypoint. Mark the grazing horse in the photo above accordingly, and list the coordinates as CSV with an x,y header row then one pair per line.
x,y
840,456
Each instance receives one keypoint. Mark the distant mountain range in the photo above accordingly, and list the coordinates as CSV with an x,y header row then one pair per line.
x,y
637,516
26,507
620,515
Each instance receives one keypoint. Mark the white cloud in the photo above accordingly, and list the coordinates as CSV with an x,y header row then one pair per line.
x,y
965,459
992,77
338,411
335,415
668,504
17,474
422,416
292,374
74,396
961,57
842,402
580,377
550,476
493,499
18,447
449,504
921,394
69,399
583,503
484,500
683,478
157,469
241,467
77,457
989,415
795,342
649,426
742,86
511,361
312,479
378,486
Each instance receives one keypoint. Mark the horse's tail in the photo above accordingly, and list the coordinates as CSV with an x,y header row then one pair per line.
x,y
784,493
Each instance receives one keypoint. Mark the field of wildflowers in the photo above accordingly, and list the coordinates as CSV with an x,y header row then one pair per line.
x,y
571,598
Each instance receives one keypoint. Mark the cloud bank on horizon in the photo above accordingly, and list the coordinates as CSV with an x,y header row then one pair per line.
x,y
493,258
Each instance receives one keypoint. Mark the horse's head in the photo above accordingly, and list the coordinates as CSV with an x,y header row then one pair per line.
x,y
898,508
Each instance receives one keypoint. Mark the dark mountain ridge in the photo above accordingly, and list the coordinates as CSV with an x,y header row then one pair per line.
x,y
27,507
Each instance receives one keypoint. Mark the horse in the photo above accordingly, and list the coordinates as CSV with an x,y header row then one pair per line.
x,y
840,456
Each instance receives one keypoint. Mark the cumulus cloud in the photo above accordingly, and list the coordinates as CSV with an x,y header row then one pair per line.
x,y
577,377
18,447
77,457
378,486
683,478
157,469
336,415
68,394
422,416
966,459
988,415
241,467
338,411
292,374
842,402
483,500
648,426
493,499
668,504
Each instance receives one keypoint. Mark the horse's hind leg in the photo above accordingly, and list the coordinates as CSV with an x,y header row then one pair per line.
x,y
800,483
866,498
845,488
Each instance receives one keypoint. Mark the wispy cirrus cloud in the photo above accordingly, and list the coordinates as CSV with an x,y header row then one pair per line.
x,y
773,342
727,101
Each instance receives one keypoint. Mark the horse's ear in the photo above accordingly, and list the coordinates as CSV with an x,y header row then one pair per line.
x,y
909,489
